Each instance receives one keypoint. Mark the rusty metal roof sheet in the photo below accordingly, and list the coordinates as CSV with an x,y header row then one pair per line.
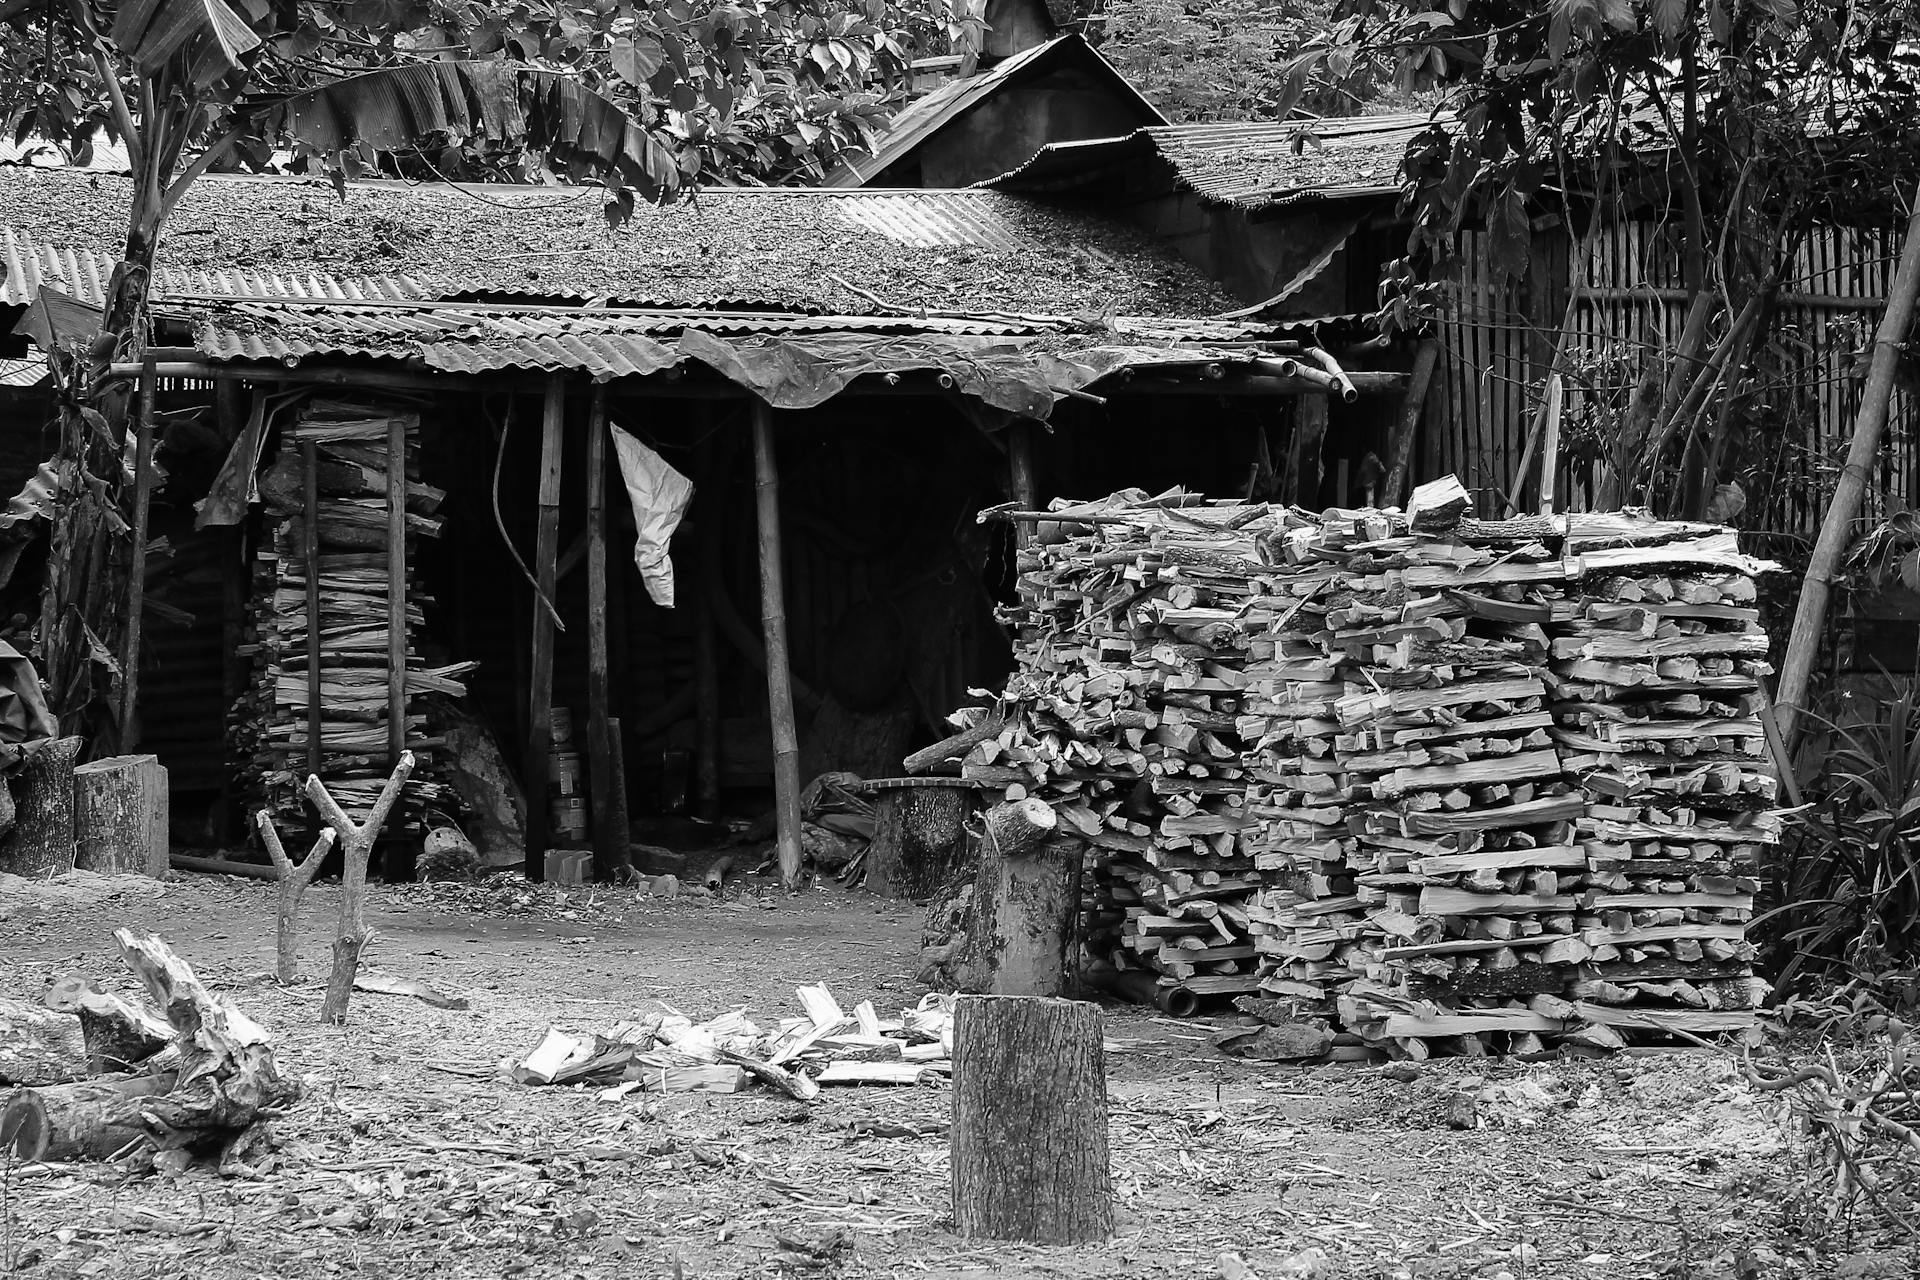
x,y
82,274
845,252
1253,165
925,117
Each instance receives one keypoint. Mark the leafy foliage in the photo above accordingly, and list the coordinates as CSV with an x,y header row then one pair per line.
x,y
1224,61
1850,877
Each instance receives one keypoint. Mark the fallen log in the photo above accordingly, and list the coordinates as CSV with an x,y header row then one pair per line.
x,y
39,1046
223,1084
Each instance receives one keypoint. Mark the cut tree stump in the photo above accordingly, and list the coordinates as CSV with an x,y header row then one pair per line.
x,y
919,839
1028,1149
120,813
1026,901
39,1046
41,843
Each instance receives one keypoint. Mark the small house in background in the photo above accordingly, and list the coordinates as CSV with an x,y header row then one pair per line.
x,y
1036,84
899,360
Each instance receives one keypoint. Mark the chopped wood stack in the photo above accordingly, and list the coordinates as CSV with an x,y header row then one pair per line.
x,y
1428,777
269,727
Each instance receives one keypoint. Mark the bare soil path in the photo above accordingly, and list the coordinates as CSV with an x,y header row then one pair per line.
x,y
408,1157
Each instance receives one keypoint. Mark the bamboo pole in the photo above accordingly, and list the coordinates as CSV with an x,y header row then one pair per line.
x,y
137,574
396,588
773,615
1809,618
1550,443
539,761
1024,478
609,845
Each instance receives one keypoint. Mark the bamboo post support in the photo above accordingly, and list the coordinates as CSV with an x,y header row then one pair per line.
x,y
291,885
1021,473
1836,530
356,847
609,843
1550,443
137,573
773,614
539,761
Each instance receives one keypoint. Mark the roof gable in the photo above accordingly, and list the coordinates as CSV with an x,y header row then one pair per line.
x,y
923,119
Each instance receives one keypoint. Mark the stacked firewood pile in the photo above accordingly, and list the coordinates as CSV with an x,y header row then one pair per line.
x,y
1435,779
269,726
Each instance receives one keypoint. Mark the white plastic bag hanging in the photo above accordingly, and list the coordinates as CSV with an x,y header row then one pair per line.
x,y
660,496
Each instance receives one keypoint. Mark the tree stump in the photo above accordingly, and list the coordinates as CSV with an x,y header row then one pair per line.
x,y
919,839
41,843
1026,901
1028,1149
120,816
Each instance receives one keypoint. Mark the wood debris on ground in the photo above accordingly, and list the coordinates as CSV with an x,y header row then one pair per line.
x,y
1436,781
670,1053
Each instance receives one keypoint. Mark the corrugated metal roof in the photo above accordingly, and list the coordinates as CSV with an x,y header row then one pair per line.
x,y
1253,165
83,275
839,252
921,119
467,338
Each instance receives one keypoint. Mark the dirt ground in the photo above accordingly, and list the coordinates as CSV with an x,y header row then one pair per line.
x,y
409,1157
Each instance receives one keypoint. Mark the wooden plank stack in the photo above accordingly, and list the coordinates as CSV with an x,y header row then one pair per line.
x,y
1472,784
268,727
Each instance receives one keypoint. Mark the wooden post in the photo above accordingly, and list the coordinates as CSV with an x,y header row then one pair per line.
x,y
1550,443
1028,1147
773,616
396,588
1025,478
293,881
706,701
618,821
356,848
540,677
609,841
1836,530
310,548
120,814
1407,423
1309,433
137,574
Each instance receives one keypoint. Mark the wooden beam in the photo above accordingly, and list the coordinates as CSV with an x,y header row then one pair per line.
x,y
310,548
137,575
539,761
609,843
773,616
1407,422
396,588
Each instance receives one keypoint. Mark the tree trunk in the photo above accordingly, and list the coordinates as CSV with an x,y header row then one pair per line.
x,y
120,816
41,842
1809,618
1029,1140
38,1045
1025,908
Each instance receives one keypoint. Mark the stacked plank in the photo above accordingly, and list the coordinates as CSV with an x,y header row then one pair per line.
x,y
1436,779
269,725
